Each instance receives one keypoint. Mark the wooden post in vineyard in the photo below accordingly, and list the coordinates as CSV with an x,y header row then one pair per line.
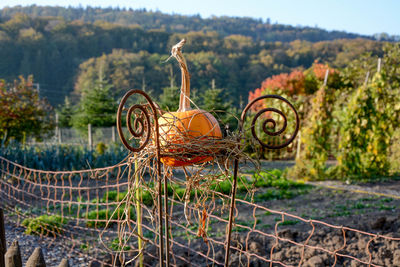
x,y
90,140
113,138
298,145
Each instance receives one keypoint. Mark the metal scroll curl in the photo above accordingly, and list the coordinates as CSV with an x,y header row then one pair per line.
x,y
140,115
270,121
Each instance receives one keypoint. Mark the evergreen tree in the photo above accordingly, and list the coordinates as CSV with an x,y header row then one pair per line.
x,y
65,113
97,107
215,102
169,99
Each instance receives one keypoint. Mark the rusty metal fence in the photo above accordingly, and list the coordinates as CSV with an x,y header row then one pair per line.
x,y
76,206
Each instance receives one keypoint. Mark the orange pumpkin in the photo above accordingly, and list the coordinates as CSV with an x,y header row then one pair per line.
x,y
186,124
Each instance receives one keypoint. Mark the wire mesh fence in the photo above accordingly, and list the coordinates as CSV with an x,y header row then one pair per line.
x,y
71,136
85,209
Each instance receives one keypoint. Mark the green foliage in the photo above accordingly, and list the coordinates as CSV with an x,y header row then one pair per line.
x,y
124,71
277,186
22,112
311,164
216,101
169,99
213,99
65,113
238,53
116,246
97,107
394,154
114,196
110,196
101,148
107,214
62,157
251,27
44,225
275,178
367,127
288,222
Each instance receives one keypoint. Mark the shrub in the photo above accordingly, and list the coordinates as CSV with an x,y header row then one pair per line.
x,y
311,163
44,225
366,131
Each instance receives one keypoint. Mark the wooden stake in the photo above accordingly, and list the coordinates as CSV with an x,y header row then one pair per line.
x,y
90,140
13,256
366,79
113,138
298,145
379,65
64,263
326,77
36,259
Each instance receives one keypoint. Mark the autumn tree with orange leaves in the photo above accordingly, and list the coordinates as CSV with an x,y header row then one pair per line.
x,y
299,87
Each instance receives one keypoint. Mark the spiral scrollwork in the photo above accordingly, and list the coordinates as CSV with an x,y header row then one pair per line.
x,y
139,114
271,123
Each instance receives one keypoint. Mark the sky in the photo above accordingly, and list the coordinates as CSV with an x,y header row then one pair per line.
x,y
358,16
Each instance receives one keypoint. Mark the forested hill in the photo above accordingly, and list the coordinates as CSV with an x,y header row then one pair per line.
x,y
66,55
258,29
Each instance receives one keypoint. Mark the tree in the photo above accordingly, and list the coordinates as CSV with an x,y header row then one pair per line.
x,y
215,101
65,113
97,107
169,99
22,112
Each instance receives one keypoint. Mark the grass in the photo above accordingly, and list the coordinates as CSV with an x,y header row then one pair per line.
x,y
239,229
114,196
264,226
289,222
384,207
278,187
272,184
116,246
104,215
386,200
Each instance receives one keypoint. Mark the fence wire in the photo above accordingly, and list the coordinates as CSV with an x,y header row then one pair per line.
x,y
77,208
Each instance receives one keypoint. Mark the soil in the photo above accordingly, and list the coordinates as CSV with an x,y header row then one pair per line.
x,y
372,208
